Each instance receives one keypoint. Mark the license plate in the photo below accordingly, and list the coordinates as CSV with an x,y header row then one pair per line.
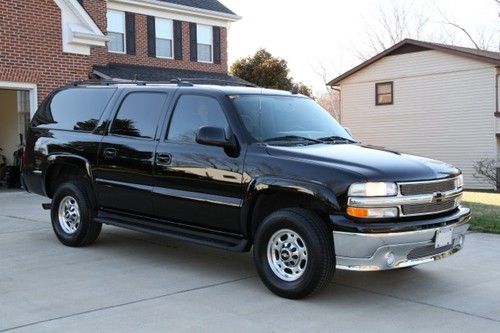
x,y
444,237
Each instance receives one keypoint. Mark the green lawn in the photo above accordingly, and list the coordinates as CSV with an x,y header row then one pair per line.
x,y
485,208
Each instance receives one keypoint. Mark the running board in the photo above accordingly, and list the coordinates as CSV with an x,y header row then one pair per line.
x,y
150,226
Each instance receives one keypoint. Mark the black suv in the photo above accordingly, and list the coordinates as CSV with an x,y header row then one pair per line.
x,y
236,167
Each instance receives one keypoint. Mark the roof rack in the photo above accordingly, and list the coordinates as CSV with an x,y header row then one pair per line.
x,y
181,82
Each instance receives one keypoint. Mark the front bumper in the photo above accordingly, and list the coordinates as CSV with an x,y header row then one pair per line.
x,y
390,250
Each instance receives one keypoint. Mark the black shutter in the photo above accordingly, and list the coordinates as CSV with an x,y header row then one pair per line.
x,y
177,40
151,37
217,48
193,43
130,32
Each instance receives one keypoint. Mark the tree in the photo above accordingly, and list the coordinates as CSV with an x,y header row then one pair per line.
x,y
267,71
409,19
330,101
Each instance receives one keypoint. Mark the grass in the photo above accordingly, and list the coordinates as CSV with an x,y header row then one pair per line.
x,y
485,208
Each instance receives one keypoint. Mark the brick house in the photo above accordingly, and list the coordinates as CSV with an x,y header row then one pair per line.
x,y
45,44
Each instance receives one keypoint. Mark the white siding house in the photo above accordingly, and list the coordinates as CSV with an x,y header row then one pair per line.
x,y
443,103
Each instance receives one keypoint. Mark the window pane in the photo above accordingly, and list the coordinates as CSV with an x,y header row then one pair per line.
x,y
139,115
74,109
163,28
116,43
204,52
384,88
164,48
193,112
204,34
385,99
116,21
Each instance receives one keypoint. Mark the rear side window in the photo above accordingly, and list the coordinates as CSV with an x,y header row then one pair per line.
x,y
193,112
139,115
77,109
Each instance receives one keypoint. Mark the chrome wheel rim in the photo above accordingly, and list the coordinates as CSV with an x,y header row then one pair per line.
x,y
287,255
69,215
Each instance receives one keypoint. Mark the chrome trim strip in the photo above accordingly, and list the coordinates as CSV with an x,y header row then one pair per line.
x,y
398,200
200,197
427,181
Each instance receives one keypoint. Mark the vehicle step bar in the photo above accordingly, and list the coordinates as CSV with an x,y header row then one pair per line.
x,y
202,237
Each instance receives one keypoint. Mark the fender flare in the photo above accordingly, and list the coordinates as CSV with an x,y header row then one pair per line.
x,y
69,160
271,183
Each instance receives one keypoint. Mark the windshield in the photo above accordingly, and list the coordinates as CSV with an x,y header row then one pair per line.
x,y
278,118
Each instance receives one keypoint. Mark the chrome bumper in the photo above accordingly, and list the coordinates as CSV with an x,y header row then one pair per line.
x,y
381,251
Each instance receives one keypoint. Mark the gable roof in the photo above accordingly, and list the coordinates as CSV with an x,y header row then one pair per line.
x,y
212,5
412,45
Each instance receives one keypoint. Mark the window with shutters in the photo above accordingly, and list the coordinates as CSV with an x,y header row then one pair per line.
x,y
116,31
384,93
164,33
205,43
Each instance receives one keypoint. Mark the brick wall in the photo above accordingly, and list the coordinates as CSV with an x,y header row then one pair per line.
x,y
31,46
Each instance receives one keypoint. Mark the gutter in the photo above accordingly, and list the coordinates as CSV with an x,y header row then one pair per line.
x,y
181,9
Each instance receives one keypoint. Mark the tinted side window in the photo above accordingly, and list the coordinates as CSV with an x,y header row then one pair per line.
x,y
73,109
139,115
193,112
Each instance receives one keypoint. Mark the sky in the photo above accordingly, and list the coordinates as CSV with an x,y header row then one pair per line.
x,y
330,34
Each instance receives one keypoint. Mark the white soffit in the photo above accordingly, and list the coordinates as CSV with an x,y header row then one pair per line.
x,y
79,32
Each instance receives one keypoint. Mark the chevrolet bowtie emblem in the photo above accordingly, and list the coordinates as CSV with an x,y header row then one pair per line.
x,y
438,197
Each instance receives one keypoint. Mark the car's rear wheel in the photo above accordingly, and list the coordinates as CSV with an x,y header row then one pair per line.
x,y
294,253
73,214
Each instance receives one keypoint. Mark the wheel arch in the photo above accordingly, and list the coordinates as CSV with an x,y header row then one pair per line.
x,y
268,194
59,164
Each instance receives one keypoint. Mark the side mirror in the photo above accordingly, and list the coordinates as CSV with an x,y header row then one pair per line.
x,y
214,136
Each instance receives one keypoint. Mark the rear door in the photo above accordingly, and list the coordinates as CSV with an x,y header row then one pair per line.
x,y
197,184
124,177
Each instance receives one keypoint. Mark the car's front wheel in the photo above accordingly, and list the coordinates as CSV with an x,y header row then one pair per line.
x,y
294,252
72,215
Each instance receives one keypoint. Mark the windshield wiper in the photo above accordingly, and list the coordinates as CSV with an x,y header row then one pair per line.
x,y
292,138
335,138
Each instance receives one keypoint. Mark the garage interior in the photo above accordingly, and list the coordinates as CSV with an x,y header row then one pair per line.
x,y
14,119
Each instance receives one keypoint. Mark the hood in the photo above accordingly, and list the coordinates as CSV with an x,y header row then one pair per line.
x,y
373,163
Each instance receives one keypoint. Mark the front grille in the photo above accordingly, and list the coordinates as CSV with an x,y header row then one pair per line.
x,y
427,251
428,208
427,187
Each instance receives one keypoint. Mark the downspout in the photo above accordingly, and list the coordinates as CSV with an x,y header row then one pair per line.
x,y
340,103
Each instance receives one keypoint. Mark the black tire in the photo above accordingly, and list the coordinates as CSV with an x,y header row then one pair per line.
x,y
86,230
318,240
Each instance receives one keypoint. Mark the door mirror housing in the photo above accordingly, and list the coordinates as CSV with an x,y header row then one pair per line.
x,y
215,136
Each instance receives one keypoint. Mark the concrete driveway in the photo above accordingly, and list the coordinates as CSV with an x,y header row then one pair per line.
x,y
131,282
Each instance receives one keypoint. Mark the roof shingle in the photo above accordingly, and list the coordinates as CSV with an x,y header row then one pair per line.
x,y
212,5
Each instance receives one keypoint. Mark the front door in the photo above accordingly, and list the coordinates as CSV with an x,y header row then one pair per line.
x,y
124,176
197,184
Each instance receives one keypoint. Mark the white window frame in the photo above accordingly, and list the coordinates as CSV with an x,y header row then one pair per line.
x,y
171,22
121,13
211,45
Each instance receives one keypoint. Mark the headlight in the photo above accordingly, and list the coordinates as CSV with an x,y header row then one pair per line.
x,y
459,181
372,190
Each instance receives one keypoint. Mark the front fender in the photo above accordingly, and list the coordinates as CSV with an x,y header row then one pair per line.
x,y
270,183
